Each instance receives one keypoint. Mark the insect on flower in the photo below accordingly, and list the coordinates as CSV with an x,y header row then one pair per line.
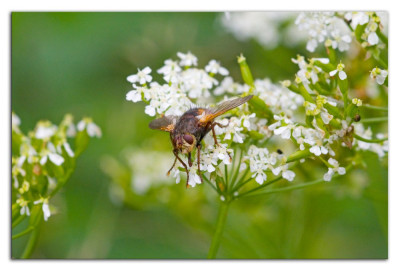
x,y
187,131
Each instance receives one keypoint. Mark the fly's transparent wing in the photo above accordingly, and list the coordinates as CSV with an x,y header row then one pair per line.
x,y
165,123
223,107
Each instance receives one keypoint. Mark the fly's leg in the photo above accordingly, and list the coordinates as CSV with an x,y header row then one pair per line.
x,y
169,171
190,159
184,165
198,161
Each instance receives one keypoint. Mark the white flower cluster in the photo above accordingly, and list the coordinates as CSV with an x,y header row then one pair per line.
x,y
326,28
183,82
260,161
371,22
313,137
265,27
234,127
46,144
277,98
141,163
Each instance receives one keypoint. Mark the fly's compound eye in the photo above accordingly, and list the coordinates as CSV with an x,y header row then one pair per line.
x,y
188,139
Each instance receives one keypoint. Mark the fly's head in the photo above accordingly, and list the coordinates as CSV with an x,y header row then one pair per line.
x,y
184,142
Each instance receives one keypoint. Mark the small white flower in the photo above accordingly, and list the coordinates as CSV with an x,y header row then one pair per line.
x,y
142,76
379,74
356,101
91,128
259,174
332,170
135,95
45,131
45,207
287,174
214,67
193,176
311,45
342,74
187,60
318,150
24,206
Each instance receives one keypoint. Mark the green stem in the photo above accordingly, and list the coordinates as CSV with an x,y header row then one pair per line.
x,y
300,186
293,187
22,233
235,176
373,120
209,182
374,107
260,187
242,183
222,214
31,243
18,220
239,182
382,36
226,178
377,140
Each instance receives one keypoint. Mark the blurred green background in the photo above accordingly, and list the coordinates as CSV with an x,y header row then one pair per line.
x,y
78,63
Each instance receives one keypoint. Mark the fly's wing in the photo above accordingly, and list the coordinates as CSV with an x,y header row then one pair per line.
x,y
165,123
222,108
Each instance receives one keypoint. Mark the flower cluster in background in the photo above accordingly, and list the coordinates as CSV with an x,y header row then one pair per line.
x,y
43,160
267,28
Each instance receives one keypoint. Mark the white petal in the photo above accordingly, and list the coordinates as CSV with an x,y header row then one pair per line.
x,y
380,79
276,170
81,125
133,78
332,73
373,38
341,170
327,176
56,159
68,149
43,160
342,75
46,211
146,70
93,130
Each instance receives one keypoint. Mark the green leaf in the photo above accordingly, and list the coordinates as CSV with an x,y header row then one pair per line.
x,y
333,110
245,71
81,142
359,31
16,140
325,67
256,135
332,57
261,109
